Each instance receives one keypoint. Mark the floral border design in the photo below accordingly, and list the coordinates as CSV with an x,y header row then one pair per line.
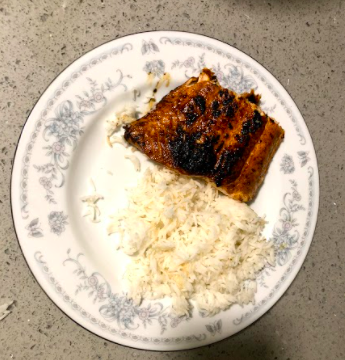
x,y
41,120
284,239
287,165
234,79
118,307
215,327
34,228
301,245
102,325
57,222
200,45
303,157
65,130
149,47
155,67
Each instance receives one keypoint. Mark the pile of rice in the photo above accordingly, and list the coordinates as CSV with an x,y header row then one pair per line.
x,y
189,242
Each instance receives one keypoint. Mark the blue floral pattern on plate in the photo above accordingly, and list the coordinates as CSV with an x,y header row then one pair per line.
x,y
155,67
285,237
303,157
287,165
149,47
57,222
105,326
65,129
118,307
229,75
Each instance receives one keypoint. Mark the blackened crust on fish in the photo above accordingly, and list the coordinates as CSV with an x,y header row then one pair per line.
x,y
229,109
252,125
136,138
191,117
191,155
199,158
216,113
215,105
190,113
252,97
227,161
202,129
201,103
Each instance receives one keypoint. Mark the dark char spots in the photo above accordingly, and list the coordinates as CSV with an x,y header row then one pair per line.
x,y
252,98
228,99
191,156
191,117
242,139
246,127
201,103
228,160
215,105
190,114
220,147
257,121
229,111
251,126
216,113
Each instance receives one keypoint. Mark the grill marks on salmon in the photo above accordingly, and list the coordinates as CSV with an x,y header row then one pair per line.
x,y
202,129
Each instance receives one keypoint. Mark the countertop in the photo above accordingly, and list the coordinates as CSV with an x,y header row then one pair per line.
x,y
302,43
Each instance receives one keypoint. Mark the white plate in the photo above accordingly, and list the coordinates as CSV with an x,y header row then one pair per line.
x,y
63,145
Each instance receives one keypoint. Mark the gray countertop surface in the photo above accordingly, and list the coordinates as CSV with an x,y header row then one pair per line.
x,y
302,43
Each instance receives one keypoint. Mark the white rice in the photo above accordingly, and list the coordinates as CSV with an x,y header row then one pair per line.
x,y
189,242
116,121
118,140
91,209
135,161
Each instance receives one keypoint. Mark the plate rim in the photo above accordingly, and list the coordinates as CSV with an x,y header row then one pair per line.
x,y
314,217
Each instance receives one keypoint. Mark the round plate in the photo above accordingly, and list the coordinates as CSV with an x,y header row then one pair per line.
x,y
63,145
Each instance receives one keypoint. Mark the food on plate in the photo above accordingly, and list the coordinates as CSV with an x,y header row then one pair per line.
x,y
127,115
187,241
90,201
203,129
135,161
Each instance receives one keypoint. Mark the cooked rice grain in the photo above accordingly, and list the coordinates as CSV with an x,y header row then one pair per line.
x,y
190,242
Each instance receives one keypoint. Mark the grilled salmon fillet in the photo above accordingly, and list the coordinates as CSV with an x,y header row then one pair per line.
x,y
202,129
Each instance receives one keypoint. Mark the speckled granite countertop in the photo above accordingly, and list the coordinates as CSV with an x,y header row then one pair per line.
x,y
302,43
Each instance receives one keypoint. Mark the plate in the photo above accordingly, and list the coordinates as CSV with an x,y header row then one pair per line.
x,y
63,146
